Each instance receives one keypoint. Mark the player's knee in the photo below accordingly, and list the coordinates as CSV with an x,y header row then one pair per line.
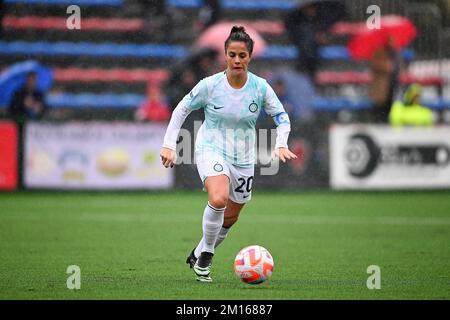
x,y
218,200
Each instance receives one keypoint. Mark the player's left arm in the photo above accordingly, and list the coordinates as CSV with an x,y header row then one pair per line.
x,y
274,108
281,150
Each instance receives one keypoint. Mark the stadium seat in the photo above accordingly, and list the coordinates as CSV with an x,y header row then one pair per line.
x,y
264,26
336,104
259,5
238,4
327,53
110,75
92,49
137,75
116,24
114,3
345,28
152,50
111,100
136,24
84,100
364,78
59,23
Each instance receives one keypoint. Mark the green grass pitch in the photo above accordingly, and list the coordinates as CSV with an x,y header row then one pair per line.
x,y
134,245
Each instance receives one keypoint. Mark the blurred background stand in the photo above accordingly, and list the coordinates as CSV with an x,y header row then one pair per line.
x,y
381,47
306,26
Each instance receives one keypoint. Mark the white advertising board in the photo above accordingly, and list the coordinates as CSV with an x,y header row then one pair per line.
x,y
95,155
383,157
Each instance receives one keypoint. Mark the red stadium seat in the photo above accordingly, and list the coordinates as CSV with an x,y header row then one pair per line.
x,y
160,75
58,23
264,26
112,75
114,24
364,78
347,28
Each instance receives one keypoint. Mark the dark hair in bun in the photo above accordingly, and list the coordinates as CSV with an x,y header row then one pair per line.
x,y
239,34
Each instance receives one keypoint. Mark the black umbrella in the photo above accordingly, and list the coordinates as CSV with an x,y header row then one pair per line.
x,y
324,13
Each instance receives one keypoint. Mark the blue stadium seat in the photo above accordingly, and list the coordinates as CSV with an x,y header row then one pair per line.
x,y
239,4
112,3
259,5
104,100
326,53
443,103
184,3
133,101
280,52
91,49
151,50
336,104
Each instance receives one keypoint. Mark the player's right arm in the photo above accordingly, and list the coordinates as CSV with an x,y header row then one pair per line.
x,y
194,100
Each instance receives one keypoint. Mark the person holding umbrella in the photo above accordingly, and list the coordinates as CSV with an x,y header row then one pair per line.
x,y
381,48
28,102
385,66
22,88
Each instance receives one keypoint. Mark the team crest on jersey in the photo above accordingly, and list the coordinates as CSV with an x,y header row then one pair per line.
x,y
253,107
218,167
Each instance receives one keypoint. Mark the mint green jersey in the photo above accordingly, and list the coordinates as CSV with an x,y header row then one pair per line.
x,y
230,116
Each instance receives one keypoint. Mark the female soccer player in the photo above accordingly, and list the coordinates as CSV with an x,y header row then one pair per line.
x,y
224,148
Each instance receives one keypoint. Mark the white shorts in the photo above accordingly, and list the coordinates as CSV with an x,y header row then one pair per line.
x,y
241,179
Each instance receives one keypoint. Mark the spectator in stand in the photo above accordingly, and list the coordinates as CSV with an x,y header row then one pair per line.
x,y
304,32
208,15
155,107
410,111
385,67
204,63
296,91
281,91
199,64
158,20
178,83
27,103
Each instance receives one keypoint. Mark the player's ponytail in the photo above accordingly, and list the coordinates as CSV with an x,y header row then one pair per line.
x,y
238,34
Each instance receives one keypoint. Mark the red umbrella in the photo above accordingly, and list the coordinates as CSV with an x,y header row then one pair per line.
x,y
365,42
214,37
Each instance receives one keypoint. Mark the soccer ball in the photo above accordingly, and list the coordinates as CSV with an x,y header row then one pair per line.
x,y
253,264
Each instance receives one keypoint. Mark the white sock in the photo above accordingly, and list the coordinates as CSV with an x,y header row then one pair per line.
x,y
220,237
199,248
212,222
